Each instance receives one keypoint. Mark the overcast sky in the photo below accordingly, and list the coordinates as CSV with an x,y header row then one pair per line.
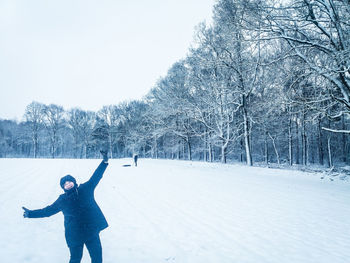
x,y
81,53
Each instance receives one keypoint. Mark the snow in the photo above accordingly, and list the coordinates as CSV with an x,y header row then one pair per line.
x,y
181,211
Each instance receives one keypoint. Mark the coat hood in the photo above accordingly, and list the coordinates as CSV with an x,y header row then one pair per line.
x,y
66,178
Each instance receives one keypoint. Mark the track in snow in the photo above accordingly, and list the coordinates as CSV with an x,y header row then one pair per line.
x,y
179,211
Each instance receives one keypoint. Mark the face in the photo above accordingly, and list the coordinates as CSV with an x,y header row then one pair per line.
x,y
68,185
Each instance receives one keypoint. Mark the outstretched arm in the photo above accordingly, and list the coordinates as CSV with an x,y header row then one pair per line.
x,y
45,212
97,175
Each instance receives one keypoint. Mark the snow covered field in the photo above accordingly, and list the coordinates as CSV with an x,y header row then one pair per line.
x,y
179,211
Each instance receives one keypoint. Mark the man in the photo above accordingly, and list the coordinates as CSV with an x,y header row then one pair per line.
x,y
83,219
135,159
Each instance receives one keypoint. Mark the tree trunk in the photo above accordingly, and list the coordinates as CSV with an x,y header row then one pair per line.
x,y
155,148
35,145
183,150
210,152
246,137
304,141
330,161
344,141
110,145
290,142
297,141
319,139
275,149
223,152
189,149
54,143
266,150
207,146
242,150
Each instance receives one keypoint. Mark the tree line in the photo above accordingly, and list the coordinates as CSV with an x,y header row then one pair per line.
x,y
266,81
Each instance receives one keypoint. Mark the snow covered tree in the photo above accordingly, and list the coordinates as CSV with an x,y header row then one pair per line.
x,y
34,115
111,116
230,55
173,102
53,121
318,33
81,122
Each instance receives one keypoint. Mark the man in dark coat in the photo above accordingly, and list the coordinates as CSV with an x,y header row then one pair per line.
x,y
83,219
135,159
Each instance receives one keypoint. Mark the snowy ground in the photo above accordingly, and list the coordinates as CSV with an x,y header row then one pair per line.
x,y
178,211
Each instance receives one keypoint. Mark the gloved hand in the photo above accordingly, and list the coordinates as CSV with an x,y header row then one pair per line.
x,y
105,156
26,212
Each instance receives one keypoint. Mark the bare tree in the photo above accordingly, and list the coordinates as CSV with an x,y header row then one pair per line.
x,y
53,121
112,116
81,123
317,33
34,116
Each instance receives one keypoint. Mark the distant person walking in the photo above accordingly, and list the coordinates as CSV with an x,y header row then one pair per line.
x,y
135,159
83,219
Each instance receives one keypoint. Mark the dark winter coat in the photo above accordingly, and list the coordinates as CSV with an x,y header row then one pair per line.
x,y
82,216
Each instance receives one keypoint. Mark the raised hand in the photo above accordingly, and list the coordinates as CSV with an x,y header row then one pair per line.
x,y
104,155
26,212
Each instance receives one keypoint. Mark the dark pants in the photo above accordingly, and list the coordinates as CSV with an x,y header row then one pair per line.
x,y
94,247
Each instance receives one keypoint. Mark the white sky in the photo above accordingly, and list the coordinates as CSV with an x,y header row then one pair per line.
x,y
82,53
